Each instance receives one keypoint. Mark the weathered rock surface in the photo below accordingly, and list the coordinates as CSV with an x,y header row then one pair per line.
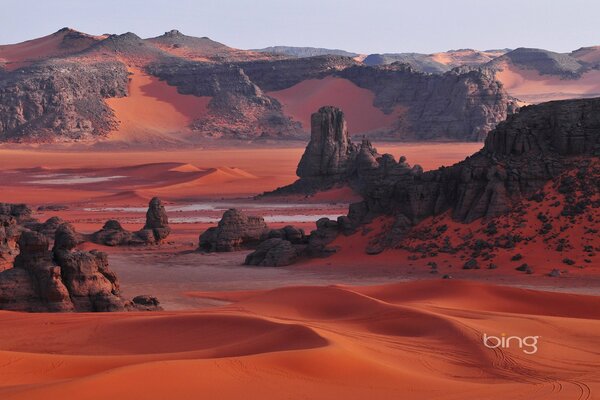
x,y
330,157
273,252
113,234
519,157
155,230
60,96
91,285
59,100
157,221
11,216
62,279
288,232
463,104
235,231
238,108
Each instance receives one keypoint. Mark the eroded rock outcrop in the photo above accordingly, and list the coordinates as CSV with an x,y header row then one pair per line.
x,y
62,279
155,230
60,100
11,218
235,231
273,252
519,157
330,158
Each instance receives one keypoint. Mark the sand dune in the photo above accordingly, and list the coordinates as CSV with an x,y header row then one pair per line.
x,y
154,109
532,87
186,168
417,340
302,99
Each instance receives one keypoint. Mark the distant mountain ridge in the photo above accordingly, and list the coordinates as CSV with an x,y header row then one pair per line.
x,y
63,87
302,52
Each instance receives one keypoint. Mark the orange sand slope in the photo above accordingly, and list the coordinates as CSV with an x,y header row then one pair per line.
x,y
418,340
154,108
302,99
531,87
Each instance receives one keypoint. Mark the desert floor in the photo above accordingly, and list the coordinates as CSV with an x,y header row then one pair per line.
x,y
350,326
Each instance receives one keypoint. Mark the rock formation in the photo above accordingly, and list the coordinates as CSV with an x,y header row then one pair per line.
x,y
155,230
59,100
273,252
462,104
519,157
11,216
62,279
60,96
157,222
235,231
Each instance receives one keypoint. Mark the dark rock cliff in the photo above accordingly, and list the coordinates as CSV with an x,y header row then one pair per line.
x,y
59,100
519,157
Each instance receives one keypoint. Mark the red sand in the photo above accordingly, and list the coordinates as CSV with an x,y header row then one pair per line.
x,y
153,108
385,342
196,173
302,99
530,86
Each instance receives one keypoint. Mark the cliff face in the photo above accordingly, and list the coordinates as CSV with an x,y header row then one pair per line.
x,y
519,157
59,96
457,105
238,107
59,101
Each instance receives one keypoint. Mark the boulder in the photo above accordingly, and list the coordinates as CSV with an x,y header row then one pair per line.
x,y
289,233
274,252
113,234
157,221
235,231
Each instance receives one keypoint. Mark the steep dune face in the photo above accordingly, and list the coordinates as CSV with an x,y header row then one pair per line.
x,y
300,100
535,75
380,342
152,108
530,86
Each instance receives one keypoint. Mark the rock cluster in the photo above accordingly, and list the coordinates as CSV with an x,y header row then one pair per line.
x,y
235,231
271,247
519,157
61,279
155,230
330,158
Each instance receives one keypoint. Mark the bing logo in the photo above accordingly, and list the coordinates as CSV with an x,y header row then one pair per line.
x,y
528,343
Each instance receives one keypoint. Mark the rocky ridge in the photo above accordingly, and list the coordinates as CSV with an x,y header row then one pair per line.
x,y
524,153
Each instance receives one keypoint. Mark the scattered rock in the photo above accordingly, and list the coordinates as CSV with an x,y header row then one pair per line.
x,y
154,231
555,273
235,231
273,252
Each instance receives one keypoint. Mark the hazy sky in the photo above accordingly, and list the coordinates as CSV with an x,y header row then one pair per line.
x,y
363,26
